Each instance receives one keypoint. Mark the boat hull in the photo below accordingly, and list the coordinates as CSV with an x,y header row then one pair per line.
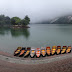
x,y
64,48
17,51
53,51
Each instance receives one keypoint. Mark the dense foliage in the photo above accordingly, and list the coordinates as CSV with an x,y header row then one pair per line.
x,y
5,20
25,21
15,21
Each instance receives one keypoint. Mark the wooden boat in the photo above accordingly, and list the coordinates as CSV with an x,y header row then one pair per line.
x,y
27,52
68,49
43,51
53,50
48,51
58,51
38,52
23,50
64,48
17,51
32,53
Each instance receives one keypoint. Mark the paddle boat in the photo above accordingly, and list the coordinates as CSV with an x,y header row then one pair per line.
x,y
17,51
43,51
27,52
48,51
23,50
68,49
64,48
32,53
38,52
53,50
58,51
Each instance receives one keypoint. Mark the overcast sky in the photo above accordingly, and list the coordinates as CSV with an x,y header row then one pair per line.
x,y
37,10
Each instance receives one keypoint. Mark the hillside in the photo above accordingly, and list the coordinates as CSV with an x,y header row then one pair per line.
x,y
62,20
59,20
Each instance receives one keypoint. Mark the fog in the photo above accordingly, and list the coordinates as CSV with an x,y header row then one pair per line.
x,y
37,10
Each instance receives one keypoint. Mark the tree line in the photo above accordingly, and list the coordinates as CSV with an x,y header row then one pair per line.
x,y
6,20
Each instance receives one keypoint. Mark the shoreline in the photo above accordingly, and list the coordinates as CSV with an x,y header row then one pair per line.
x,y
16,26
61,65
20,26
21,60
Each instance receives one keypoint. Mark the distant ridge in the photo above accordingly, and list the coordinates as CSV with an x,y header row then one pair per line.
x,y
62,20
59,20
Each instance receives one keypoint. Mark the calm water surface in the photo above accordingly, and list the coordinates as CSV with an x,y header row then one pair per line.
x,y
36,36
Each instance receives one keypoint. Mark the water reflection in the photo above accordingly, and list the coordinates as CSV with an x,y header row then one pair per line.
x,y
15,32
4,30
20,32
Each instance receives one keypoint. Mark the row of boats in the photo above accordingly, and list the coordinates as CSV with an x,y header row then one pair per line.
x,y
43,51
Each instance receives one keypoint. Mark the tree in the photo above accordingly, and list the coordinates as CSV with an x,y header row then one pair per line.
x,y
15,20
25,21
7,20
2,17
4,20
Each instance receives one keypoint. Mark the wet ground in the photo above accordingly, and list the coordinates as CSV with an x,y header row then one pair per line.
x,y
64,65
21,60
56,63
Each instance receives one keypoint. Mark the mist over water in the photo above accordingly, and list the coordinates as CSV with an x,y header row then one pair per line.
x,y
37,10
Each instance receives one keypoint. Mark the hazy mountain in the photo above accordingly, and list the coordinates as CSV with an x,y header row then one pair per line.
x,y
59,20
62,20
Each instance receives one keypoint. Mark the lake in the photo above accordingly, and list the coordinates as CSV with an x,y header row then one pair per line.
x,y
38,35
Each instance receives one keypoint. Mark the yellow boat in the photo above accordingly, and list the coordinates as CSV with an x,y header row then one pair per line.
x,y
17,51
68,49
48,51
27,52
43,51
58,51
64,48
23,50
53,50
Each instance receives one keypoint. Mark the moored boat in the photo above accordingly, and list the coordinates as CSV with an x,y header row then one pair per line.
x,y
38,52
43,51
32,52
27,52
17,51
58,51
68,49
53,50
64,48
23,50
48,51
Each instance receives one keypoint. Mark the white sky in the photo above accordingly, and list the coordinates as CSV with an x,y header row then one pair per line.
x,y
37,10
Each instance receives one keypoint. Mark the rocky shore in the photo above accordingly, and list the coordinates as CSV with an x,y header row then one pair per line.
x,y
20,26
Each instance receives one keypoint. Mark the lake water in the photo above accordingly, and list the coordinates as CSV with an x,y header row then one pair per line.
x,y
38,35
